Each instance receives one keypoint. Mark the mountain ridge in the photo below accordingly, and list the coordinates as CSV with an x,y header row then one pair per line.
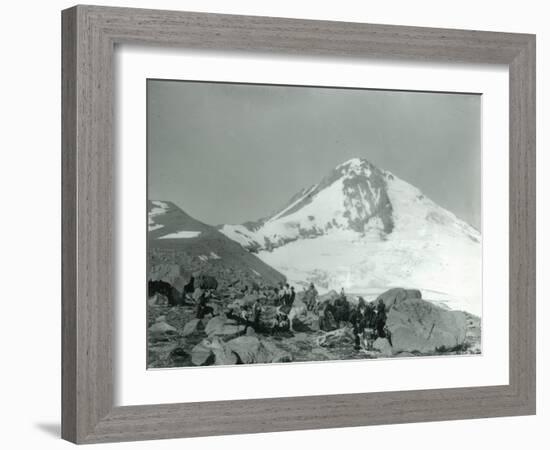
x,y
175,237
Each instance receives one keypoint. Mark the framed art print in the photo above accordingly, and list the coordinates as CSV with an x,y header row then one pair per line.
x,y
265,230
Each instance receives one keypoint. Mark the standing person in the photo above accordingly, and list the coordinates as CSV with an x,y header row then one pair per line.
x,y
341,306
245,317
291,297
329,321
342,294
201,303
381,319
358,323
311,297
257,310
370,324
286,295
281,299
370,315
274,295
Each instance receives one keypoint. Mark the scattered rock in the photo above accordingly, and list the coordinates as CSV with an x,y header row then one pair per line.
x,y
383,346
223,327
277,355
161,327
202,354
223,355
161,330
248,349
193,326
157,300
215,323
336,338
180,357
405,354
307,321
251,350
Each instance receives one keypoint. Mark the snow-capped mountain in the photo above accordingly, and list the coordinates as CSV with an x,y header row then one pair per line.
x,y
364,229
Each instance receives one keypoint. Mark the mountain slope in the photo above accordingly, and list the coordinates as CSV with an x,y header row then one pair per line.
x,y
174,237
365,229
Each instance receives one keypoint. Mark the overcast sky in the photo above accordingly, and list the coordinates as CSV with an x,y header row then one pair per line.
x,y
228,153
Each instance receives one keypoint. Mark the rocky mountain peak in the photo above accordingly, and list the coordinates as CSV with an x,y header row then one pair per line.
x,y
351,197
365,195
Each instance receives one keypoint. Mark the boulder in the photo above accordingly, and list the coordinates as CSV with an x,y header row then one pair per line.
x,y
277,355
164,272
420,326
383,346
223,355
179,283
192,327
405,355
397,295
201,354
414,293
391,297
212,352
217,308
180,357
307,321
251,350
161,331
337,338
157,300
223,327
161,327
215,323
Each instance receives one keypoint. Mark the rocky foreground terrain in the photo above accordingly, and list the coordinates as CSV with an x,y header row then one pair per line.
x,y
176,338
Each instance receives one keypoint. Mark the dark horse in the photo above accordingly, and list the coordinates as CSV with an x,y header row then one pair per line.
x,y
161,287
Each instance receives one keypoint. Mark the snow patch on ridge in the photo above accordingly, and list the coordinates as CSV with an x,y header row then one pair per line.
x,y
159,208
181,235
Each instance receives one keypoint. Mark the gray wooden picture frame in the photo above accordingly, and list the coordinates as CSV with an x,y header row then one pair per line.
x,y
90,34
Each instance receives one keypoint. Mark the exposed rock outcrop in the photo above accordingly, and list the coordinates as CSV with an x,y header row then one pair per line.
x,y
223,327
417,325
241,350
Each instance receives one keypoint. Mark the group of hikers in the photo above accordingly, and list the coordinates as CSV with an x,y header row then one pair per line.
x,y
367,320
281,297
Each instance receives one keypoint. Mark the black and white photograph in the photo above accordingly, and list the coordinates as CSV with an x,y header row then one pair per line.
x,y
275,225
290,224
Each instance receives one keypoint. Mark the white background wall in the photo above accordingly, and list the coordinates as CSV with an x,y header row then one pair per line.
x,y
30,223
